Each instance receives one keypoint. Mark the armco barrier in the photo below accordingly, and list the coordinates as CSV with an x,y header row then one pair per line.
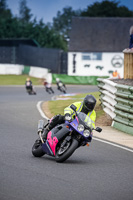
x,y
16,69
11,69
117,101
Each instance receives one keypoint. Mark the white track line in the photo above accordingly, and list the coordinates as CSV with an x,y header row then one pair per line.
x,y
40,110
113,144
94,138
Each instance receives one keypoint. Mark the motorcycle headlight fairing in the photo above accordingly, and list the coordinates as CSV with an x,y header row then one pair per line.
x,y
80,128
86,133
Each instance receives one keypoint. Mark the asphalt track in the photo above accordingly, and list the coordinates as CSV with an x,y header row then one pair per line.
x,y
100,171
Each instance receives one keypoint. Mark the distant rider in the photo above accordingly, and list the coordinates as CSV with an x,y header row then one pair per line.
x,y
48,87
59,84
28,84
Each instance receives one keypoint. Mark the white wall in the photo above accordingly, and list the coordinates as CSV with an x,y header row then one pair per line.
x,y
11,69
91,66
37,72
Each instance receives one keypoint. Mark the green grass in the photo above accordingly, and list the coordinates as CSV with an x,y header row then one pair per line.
x,y
57,107
18,80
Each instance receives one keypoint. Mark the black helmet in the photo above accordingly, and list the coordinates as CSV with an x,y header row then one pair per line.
x,y
88,104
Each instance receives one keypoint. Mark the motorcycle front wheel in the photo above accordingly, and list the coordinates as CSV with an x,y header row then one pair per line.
x,y
63,90
37,150
63,153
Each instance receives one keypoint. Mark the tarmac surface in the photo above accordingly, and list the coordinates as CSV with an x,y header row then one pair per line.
x,y
100,171
113,135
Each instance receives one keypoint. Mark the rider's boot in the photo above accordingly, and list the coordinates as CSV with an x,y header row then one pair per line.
x,y
44,134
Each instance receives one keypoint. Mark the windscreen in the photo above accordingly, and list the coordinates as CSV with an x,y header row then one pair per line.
x,y
85,118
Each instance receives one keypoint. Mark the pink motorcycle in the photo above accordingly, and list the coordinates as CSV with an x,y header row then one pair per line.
x,y
65,138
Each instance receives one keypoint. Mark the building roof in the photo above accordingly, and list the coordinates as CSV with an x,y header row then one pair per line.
x,y
98,34
16,42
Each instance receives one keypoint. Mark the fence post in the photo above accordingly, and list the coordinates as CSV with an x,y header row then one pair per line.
x,y
128,64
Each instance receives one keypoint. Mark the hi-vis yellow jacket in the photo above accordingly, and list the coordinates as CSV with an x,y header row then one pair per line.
x,y
79,106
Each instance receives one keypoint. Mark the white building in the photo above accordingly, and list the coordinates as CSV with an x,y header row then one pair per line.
x,y
96,45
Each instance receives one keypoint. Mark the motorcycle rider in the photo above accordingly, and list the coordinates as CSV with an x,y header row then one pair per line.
x,y
59,83
86,106
48,87
28,84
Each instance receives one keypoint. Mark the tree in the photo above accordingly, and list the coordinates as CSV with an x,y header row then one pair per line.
x,y
3,5
5,19
4,11
24,27
107,9
25,12
62,22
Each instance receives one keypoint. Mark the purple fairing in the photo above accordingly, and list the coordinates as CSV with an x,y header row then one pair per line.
x,y
50,145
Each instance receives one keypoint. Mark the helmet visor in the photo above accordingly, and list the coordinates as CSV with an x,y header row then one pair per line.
x,y
89,106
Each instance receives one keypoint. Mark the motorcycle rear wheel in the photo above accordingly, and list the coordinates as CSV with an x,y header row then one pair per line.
x,y
37,150
62,156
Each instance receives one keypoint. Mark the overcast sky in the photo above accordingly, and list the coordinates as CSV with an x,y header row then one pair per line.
x,y
47,9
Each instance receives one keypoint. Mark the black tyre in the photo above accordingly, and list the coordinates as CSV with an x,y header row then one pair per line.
x,y
37,150
63,154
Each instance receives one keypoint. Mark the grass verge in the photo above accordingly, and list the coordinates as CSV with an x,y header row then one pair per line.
x,y
18,80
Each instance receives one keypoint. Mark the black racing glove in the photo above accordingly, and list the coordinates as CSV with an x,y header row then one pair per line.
x,y
68,117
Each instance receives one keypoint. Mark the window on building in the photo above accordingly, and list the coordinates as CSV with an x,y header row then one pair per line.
x,y
91,56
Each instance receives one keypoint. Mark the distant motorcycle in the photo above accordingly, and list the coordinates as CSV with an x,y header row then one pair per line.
x,y
64,139
62,87
30,90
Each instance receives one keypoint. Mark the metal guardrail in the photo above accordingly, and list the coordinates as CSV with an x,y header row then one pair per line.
x,y
117,101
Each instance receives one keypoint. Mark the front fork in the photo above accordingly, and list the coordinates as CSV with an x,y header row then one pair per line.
x,y
81,141
40,135
67,139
